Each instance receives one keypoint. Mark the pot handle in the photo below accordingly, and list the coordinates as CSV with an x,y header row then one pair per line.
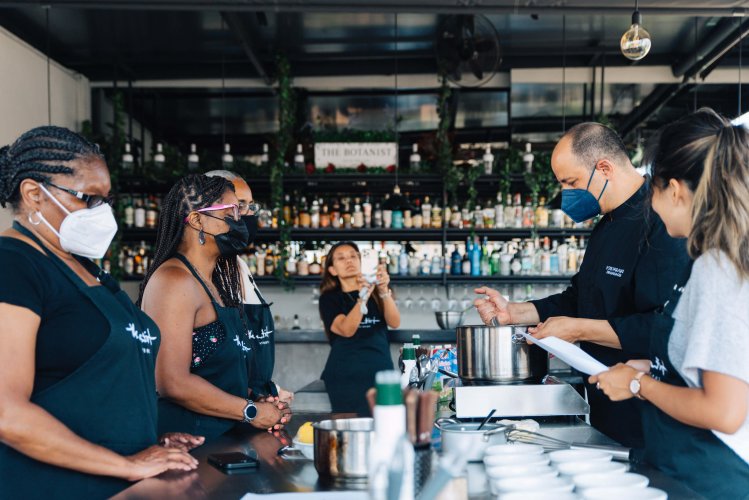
x,y
444,420
501,428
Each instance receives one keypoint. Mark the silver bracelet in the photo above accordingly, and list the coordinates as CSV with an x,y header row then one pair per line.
x,y
386,295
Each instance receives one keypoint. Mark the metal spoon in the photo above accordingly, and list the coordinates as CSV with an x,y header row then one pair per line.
x,y
486,419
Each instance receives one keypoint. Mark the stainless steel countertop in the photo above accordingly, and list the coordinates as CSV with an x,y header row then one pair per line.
x,y
277,474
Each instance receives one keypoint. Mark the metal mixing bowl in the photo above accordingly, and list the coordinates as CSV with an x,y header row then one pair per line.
x,y
449,320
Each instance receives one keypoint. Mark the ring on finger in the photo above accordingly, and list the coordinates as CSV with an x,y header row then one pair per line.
x,y
598,386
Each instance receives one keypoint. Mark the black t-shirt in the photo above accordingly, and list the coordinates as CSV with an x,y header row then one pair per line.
x,y
71,331
368,347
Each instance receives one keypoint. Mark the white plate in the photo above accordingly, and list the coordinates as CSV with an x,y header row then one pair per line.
x,y
538,495
514,449
561,456
518,470
610,480
307,449
576,468
624,494
496,460
542,474
542,484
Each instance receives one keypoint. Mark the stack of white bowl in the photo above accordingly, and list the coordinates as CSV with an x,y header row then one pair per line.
x,y
524,471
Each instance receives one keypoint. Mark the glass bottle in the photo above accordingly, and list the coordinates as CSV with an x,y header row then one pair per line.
x,y
193,160
414,160
128,162
159,159
315,215
509,218
488,161
426,213
542,213
227,160
299,158
529,216
129,212
140,213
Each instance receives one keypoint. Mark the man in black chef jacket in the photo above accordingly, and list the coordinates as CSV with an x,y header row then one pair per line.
x,y
629,267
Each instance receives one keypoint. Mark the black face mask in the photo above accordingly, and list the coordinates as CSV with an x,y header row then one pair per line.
x,y
250,222
235,240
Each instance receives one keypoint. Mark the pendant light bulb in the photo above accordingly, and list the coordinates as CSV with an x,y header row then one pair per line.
x,y
635,43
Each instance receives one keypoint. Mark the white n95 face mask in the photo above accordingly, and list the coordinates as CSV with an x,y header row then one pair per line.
x,y
87,232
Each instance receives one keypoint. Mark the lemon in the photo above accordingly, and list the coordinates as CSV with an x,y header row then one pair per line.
x,y
304,434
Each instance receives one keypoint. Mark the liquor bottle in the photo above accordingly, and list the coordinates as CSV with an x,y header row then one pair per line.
x,y
291,262
465,264
397,219
505,261
299,158
227,160
554,260
264,158
261,261
159,159
436,215
152,213
509,212
437,262
466,217
476,258
545,258
516,266
315,215
414,160
305,220
302,266
528,158
529,216
270,264
414,264
128,262
499,212
287,209
426,213
542,213
129,212
425,266
128,162
367,209
140,214
526,259
335,215
478,217
393,261
377,216
296,325
417,219
324,215
489,217
403,261
562,258
572,256
486,267
346,213
455,262
358,217
315,268
488,161
518,213
456,217
496,261
408,221
193,160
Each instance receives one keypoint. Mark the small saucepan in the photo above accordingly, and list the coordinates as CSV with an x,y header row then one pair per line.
x,y
466,439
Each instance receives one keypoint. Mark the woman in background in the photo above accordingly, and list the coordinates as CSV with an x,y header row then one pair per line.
x,y
696,383
359,346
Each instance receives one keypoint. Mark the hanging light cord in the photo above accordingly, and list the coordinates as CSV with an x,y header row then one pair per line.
x,y
741,60
49,68
223,90
397,139
564,74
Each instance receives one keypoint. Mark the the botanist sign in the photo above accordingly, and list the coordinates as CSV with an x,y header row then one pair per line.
x,y
353,154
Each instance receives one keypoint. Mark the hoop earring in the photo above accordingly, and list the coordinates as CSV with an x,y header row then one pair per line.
x,y
37,222
201,237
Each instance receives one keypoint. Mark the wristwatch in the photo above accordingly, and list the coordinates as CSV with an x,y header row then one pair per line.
x,y
634,385
250,412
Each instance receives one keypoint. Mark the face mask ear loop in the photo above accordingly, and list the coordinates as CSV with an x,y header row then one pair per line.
x,y
55,200
602,190
590,179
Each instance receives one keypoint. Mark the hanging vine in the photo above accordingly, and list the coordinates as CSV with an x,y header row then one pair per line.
x,y
451,176
286,123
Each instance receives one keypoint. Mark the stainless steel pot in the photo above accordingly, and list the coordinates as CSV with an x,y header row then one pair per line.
x,y
342,447
465,438
499,354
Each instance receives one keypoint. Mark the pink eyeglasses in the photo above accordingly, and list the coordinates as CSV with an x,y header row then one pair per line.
x,y
214,208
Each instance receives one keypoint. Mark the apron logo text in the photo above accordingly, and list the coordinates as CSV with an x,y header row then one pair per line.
x,y
241,344
614,271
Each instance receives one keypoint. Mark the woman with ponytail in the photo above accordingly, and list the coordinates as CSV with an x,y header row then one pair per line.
x,y
77,389
193,292
695,386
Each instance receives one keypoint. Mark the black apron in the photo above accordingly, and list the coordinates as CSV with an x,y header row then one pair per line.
x,y
696,457
354,361
226,369
110,400
261,331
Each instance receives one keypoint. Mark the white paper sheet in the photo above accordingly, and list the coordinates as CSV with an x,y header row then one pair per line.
x,y
310,495
570,354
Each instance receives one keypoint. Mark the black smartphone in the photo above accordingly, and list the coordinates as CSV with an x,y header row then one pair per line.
x,y
233,461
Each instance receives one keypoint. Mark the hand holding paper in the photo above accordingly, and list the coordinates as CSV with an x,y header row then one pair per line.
x,y
569,353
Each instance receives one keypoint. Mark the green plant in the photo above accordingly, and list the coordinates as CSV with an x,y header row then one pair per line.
x,y
284,142
472,172
451,175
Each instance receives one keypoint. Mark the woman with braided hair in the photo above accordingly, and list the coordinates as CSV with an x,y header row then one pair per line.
x,y
78,409
193,292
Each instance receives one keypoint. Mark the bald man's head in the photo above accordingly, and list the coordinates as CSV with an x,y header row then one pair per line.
x,y
591,142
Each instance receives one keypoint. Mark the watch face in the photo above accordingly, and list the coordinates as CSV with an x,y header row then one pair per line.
x,y
634,387
250,412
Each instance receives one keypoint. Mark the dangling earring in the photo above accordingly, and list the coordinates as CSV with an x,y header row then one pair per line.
x,y
201,237
37,222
